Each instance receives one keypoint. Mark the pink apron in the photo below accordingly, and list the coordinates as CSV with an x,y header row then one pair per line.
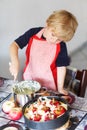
x,y
40,64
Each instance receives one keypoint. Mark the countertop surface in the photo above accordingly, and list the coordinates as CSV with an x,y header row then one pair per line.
x,y
78,112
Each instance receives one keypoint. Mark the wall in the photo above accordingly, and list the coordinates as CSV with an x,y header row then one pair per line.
x,y
17,16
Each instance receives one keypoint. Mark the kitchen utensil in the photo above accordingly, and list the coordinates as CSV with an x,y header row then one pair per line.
x,y
21,99
50,124
26,87
23,91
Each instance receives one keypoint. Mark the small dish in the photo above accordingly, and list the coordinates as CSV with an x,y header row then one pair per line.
x,y
11,127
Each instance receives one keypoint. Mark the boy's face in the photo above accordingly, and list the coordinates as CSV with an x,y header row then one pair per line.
x,y
50,36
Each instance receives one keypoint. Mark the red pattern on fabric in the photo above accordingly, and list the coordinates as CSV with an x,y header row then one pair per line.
x,y
53,65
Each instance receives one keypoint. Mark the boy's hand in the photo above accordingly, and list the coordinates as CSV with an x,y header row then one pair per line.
x,y
13,68
63,91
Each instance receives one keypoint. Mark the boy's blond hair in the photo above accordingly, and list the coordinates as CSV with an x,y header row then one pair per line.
x,y
63,23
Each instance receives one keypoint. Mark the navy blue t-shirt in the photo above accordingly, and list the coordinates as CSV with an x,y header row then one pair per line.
x,y
62,59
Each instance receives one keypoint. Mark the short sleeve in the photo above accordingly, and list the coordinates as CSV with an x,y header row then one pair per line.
x,y
23,40
63,59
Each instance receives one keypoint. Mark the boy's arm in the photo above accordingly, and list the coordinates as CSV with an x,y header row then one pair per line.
x,y
14,64
61,73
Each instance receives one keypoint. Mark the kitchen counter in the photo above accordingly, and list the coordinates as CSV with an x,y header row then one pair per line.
x,y
78,110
